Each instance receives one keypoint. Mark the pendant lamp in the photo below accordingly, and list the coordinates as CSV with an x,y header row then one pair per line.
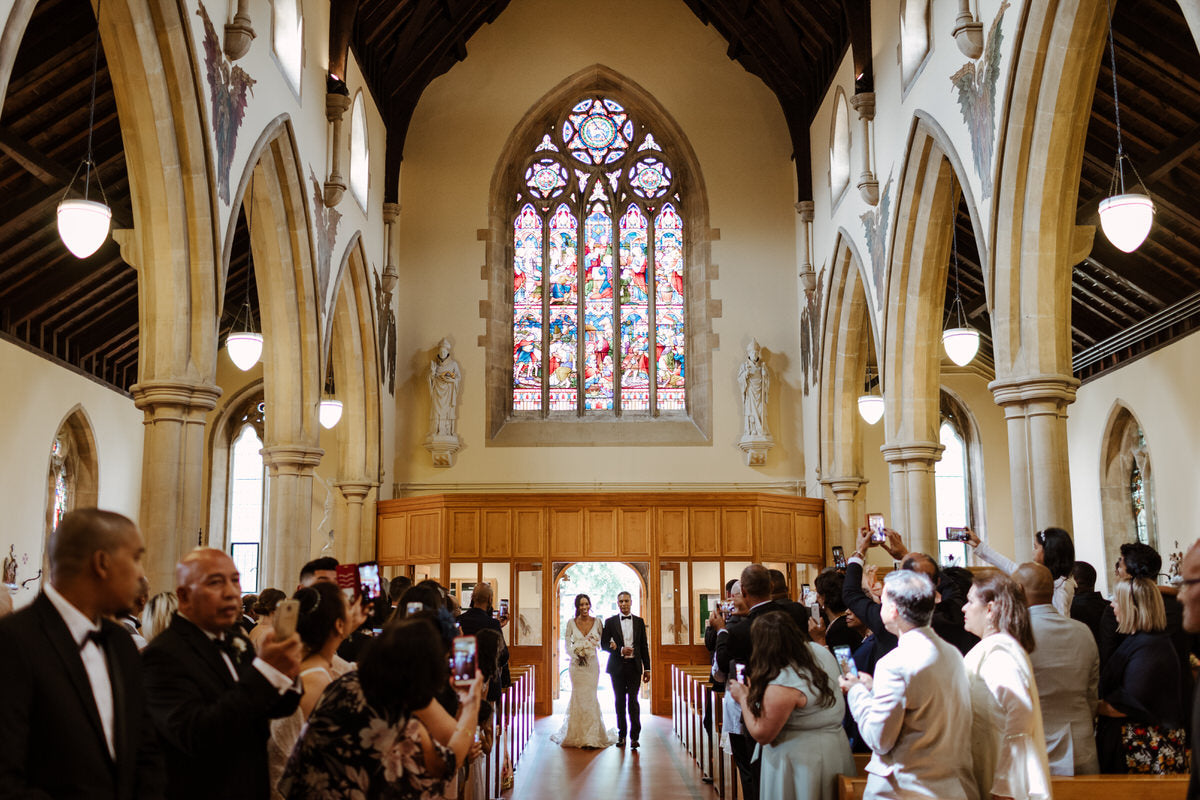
x,y
330,410
244,343
870,406
1125,216
961,341
83,223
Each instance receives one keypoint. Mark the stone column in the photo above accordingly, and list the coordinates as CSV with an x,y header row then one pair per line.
x,y
868,184
358,543
1035,408
172,512
808,274
846,491
335,185
287,542
914,497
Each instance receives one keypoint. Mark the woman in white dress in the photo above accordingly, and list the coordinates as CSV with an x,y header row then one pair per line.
x,y
584,726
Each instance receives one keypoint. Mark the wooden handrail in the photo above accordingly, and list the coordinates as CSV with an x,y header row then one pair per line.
x,y
1079,787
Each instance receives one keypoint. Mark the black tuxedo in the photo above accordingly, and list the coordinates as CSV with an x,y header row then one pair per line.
x,y
472,621
214,729
51,739
626,673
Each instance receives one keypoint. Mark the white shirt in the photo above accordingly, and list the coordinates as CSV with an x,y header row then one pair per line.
x,y
94,662
627,631
276,678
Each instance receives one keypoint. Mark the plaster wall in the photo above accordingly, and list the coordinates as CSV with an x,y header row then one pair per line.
x,y
1159,389
740,138
29,417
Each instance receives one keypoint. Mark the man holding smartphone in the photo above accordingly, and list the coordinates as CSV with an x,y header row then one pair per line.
x,y
477,618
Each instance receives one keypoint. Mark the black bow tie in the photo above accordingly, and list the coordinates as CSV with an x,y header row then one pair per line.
x,y
98,636
624,617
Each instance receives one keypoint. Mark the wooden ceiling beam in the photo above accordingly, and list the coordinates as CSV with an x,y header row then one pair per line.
x,y
408,36
1111,274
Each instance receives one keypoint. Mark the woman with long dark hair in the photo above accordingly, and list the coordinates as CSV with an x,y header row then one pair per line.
x,y
1008,744
1053,548
584,725
793,708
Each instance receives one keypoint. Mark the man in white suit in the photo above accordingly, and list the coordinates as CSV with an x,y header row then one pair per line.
x,y
915,714
1066,667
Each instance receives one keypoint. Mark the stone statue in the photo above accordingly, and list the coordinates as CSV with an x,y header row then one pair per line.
x,y
444,378
10,566
755,383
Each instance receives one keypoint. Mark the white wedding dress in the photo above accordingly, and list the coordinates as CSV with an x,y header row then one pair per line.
x,y
584,726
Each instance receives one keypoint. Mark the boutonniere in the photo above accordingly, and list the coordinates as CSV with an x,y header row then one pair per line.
x,y
239,646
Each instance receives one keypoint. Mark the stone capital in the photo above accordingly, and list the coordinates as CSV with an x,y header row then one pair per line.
x,y
291,459
390,212
131,246
845,486
864,104
355,491
1034,388
335,106
922,453
805,208
165,398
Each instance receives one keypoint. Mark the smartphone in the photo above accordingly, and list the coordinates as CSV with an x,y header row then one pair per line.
x,y
814,610
348,580
413,608
739,673
368,579
845,661
876,524
504,606
957,534
286,614
462,660
805,594
839,557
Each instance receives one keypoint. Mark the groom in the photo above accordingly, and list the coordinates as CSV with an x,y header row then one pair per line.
x,y
628,665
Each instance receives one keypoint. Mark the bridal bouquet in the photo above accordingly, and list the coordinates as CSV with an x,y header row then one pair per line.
x,y
581,656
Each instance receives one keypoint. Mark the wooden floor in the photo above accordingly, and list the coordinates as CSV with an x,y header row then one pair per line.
x,y
659,768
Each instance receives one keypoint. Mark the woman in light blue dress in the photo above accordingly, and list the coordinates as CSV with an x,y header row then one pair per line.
x,y
793,709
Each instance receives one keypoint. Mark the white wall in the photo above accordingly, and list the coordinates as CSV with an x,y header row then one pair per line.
x,y
464,119
1160,389
41,395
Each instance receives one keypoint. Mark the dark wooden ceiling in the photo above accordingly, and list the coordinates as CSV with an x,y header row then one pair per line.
x,y
84,312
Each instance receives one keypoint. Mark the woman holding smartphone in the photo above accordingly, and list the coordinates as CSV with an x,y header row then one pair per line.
x,y
1008,744
793,709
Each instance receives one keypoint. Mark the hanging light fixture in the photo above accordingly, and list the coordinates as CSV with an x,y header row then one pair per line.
x,y
330,410
962,341
870,406
1125,217
244,343
83,223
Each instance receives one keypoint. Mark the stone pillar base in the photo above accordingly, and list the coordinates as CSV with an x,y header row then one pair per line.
x,y
444,449
755,448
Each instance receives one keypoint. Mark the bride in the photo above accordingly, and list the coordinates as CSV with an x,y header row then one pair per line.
x,y
583,727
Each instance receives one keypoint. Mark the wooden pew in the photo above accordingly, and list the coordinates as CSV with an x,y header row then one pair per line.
x,y
1080,787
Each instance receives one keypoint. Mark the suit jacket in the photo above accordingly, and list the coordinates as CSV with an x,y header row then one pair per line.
x,y
1088,608
214,729
471,622
612,633
51,739
917,721
735,644
1066,668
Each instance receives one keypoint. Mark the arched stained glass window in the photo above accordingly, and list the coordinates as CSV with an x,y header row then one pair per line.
x,y
1137,494
60,467
599,327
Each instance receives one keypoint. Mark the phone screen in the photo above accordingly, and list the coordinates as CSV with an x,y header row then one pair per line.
x,y
462,659
348,580
739,673
368,575
845,661
876,524
413,608
956,534
839,557
286,614
504,607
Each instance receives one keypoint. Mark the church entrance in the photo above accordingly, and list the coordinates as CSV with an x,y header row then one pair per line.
x,y
601,581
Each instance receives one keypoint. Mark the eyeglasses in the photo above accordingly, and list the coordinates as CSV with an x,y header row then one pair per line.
x,y
1189,581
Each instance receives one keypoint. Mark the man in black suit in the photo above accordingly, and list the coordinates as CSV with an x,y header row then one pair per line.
x,y
1189,598
477,618
73,719
628,665
1088,605
211,696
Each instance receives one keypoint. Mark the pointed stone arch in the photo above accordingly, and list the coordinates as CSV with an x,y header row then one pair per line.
x,y
1122,448
79,460
848,327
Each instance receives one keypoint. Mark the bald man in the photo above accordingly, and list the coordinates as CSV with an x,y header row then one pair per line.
x,y
211,696
479,617
1066,667
73,719
1189,598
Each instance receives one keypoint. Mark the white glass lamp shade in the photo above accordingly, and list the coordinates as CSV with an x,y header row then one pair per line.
x,y
870,408
244,348
961,344
83,225
1126,220
329,412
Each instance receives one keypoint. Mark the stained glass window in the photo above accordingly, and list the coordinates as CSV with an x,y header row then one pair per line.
x,y
1137,493
62,484
598,270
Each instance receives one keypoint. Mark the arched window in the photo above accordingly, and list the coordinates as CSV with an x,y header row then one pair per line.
x,y
950,476
958,478
599,323
839,147
359,157
1126,485
287,39
72,480
914,38
238,499
1137,495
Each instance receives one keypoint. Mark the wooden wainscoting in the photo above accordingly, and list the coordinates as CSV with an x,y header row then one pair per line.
x,y
645,527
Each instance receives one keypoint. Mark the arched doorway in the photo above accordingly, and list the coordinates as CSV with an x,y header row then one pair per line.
x,y
602,581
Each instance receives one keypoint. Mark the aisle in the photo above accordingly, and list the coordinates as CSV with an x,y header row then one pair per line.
x,y
659,769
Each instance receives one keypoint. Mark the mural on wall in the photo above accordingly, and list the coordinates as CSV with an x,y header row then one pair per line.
x,y
875,224
976,88
229,89
327,220
387,336
810,333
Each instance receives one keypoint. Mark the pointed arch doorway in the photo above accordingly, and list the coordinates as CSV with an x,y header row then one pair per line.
x,y
602,581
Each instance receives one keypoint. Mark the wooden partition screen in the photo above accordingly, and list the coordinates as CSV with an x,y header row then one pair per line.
x,y
532,531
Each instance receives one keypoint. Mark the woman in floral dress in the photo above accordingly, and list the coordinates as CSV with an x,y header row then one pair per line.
x,y
379,732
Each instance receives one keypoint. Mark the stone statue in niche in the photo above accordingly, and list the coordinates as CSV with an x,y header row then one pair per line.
x,y
754,380
445,377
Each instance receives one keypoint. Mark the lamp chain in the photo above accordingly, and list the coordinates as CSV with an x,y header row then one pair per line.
x,y
1112,59
249,255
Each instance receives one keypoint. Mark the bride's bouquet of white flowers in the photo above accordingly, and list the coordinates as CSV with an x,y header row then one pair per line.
x,y
581,655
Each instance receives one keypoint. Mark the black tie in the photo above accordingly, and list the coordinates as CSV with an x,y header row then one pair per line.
x,y
624,617
98,636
